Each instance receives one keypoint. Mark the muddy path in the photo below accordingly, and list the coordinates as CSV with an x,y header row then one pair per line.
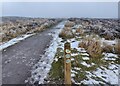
x,y
17,60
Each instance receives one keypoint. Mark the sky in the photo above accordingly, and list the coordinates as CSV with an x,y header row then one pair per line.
x,y
119,10
61,9
59,0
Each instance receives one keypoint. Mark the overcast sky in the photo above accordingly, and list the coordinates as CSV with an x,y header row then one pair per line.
x,y
61,9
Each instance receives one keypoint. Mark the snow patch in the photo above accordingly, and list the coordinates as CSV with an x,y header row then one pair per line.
x,y
85,64
72,75
82,50
85,58
74,54
84,54
72,59
56,59
111,77
74,44
109,42
76,68
14,41
110,56
72,71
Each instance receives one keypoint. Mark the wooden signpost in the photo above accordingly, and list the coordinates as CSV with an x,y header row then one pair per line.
x,y
67,63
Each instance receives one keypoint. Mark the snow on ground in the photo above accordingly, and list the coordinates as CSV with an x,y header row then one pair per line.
x,y
85,54
109,42
56,59
41,69
60,45
85,64
114,67
14,41
82,50
72,71
74,54
110,56
109,76
72,59
72,75
100,75
74,44
105,75
76,68
85,58
90,80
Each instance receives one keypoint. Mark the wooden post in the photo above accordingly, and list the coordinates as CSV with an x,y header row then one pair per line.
x,y
67,63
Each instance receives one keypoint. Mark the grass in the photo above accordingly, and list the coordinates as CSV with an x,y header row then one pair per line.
x,y
66,33
79,31
57,71
94,49
109,36
80,66
92,46
117,47
56,74
69,24
11,31
82,44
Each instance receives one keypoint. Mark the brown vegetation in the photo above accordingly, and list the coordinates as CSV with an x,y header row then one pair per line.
x,y
13,27
69,24
66,33
79,31
92,46
117,47
94,49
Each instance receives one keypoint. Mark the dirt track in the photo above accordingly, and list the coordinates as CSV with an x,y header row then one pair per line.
x,y
17,60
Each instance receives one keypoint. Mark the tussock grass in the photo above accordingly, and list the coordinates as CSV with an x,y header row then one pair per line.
x,y
69,24
92,46
94,49
66,33
79,31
